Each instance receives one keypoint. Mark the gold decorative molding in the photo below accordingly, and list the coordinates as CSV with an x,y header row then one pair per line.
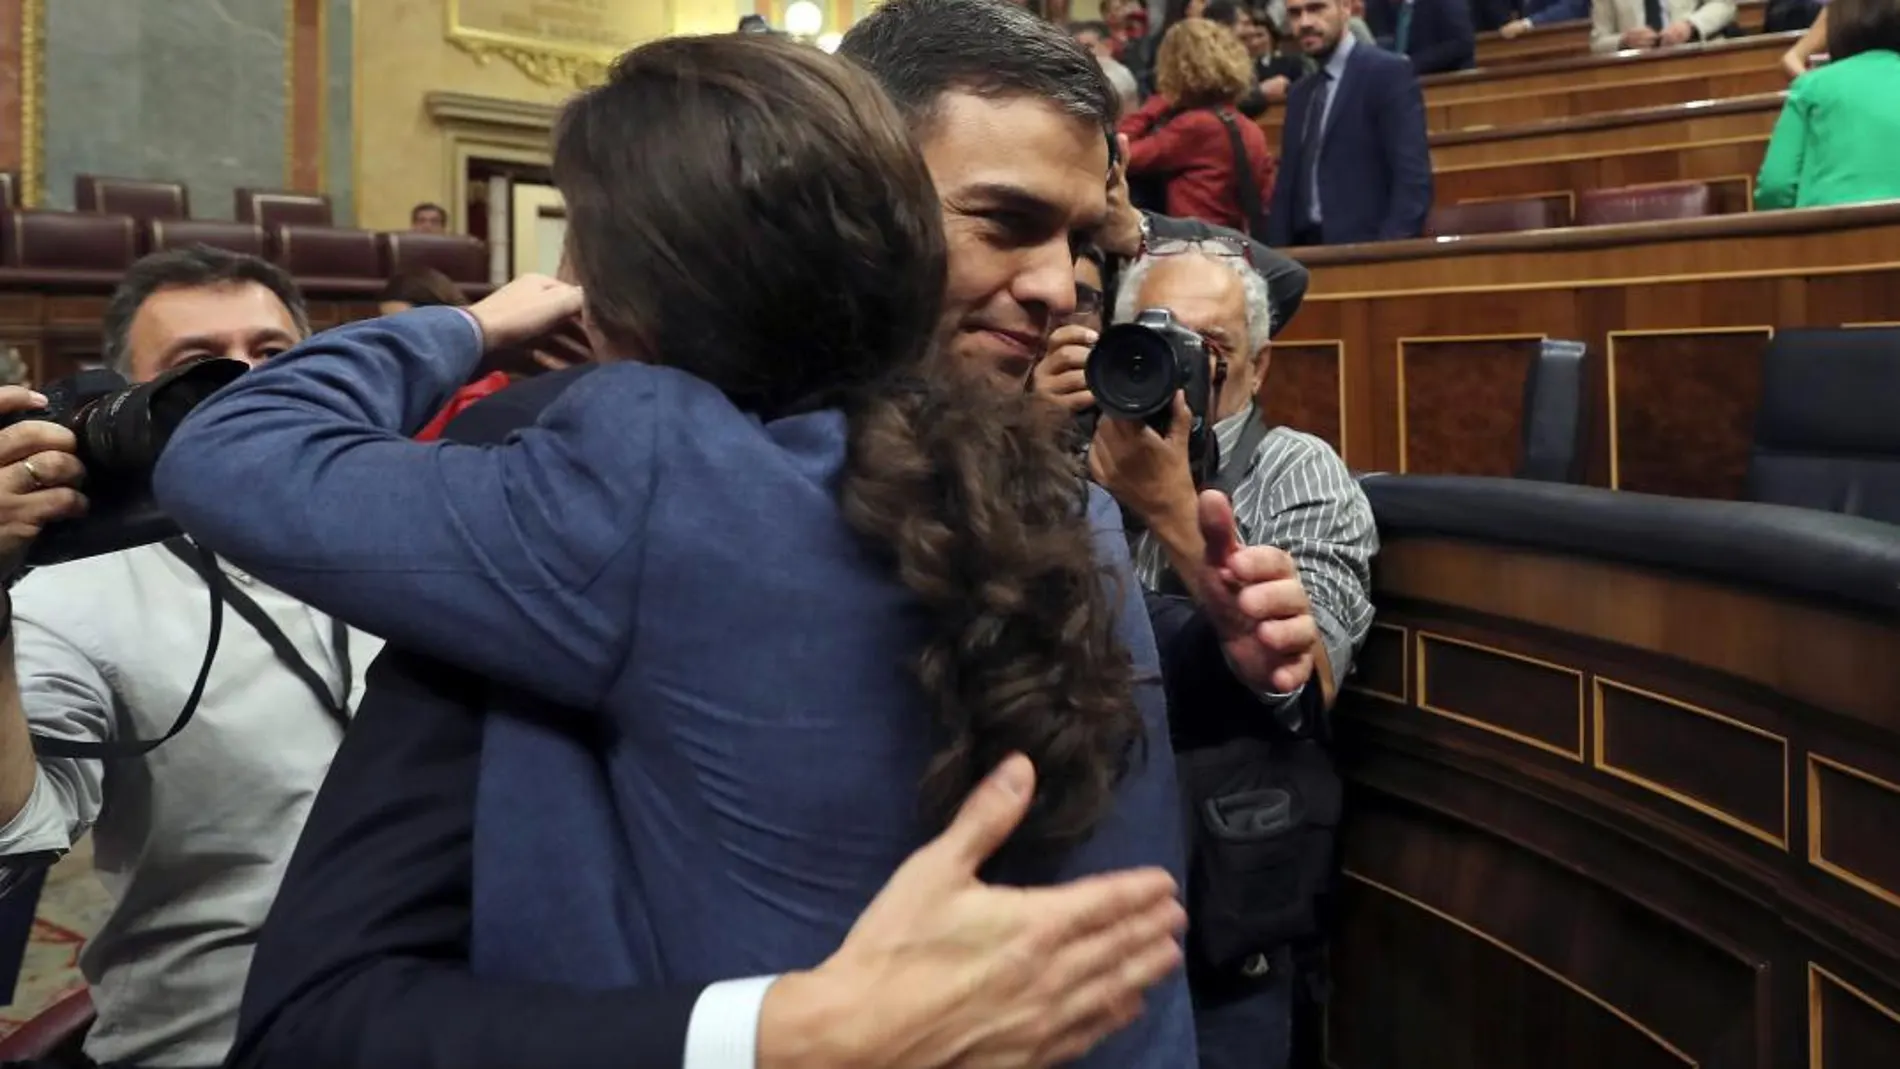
x,y
557,69
32,102
1421,685
448,108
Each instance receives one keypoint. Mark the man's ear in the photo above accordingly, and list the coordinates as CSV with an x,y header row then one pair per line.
x,y
1261,361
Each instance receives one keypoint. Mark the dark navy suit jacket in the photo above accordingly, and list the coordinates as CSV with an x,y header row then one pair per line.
x,y
1375,167
1441,36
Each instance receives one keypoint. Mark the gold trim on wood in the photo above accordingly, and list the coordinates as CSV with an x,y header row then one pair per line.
x,y
1609,366
1405,670
1585,281
1817,827
1816,1012
1399,356
32,102
1778,841
1478,933
1422,687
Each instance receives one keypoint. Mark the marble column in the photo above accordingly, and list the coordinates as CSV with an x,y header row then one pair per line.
x,y
193,91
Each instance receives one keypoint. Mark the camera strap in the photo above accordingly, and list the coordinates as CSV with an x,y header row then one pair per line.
x,y
1246,191
286,652
46,746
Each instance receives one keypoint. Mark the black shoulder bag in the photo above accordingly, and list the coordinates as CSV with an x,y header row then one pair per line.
x,y
1245,189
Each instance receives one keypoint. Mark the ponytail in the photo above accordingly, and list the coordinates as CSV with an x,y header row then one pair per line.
x,y
983,512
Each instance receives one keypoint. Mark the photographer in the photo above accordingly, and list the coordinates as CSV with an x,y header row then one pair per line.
x,y
191,839
1294,499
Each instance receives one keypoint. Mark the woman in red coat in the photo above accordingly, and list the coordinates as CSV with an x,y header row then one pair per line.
x,y
1183,137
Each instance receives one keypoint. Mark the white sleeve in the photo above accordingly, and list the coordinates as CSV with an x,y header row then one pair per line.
x,y
723,1032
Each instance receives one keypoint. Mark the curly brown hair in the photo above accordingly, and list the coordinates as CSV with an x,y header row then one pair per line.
x,y
791,252
1202,64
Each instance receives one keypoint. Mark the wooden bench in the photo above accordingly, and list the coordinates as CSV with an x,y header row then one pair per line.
x,y
1411,355
1729,165
1579,101
1716,57
1562,40
1669,124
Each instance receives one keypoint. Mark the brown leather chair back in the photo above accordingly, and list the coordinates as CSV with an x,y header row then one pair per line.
x,y
272,208
137,197
1498,217
9,189
328,253
67,241
1644,204
460,257
246,238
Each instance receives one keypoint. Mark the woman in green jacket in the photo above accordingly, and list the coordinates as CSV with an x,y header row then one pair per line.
x,y
1838,138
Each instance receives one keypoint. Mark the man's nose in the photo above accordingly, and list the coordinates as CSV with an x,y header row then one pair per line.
x,y
1048,280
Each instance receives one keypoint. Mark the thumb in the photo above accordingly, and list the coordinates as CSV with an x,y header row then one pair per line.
x,y
988,816
1216,514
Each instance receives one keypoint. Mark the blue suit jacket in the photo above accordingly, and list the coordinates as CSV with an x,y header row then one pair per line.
x,y
1375,168
1441,36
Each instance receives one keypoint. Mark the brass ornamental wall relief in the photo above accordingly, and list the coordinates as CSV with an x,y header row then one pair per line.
x,y
561,43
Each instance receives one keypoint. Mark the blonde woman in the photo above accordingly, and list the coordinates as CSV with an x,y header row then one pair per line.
x,y
1190,154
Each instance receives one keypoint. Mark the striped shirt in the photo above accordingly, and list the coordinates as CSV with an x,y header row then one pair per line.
x,y
1300,497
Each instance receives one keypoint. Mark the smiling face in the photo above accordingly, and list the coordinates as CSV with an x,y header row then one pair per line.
x,y
1023,187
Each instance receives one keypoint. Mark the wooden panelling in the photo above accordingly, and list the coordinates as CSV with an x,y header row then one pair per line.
x,y
1714,764
1305,388
1689,304
1461,403
1848,1028
1383,668
1852,815
1721,57
1504,910
1574,102
1679,394
1621,131
1730,165
1520,698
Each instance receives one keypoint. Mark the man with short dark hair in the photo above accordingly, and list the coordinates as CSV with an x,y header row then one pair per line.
x,y
190,840
429,218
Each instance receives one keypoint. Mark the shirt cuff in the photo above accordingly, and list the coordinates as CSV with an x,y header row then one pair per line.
x,y
723,1032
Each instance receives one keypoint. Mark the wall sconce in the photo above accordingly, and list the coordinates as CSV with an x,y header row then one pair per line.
x,y
804,19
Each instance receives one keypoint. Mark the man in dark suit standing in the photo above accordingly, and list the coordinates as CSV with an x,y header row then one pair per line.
x,y
1354,163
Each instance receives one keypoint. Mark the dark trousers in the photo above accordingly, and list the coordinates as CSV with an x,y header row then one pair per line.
x,y
1307,234
1252,1031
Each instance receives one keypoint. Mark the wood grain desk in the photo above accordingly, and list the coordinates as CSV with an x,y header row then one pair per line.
x,y
1729,166
1412,356
1636,128
1576,101
1620,796
1716,57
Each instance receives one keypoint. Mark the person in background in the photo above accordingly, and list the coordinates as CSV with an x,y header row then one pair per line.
x,y
1547,14
1638,24
1838,138
1796,59
1274,69
421,287
429,218
1095,37
191,839
1091,270
1354,159
1436,35
1216,166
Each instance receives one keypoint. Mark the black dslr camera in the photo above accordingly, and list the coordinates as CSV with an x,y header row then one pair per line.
x,y
1135,370
122,428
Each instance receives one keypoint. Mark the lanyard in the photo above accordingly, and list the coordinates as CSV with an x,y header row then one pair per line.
x,y
280,645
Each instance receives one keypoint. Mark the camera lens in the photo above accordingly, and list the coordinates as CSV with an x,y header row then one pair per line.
x,y
1132,372
124,433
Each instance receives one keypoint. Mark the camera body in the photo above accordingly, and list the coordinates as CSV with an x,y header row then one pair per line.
x,y
1135,370
121,429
